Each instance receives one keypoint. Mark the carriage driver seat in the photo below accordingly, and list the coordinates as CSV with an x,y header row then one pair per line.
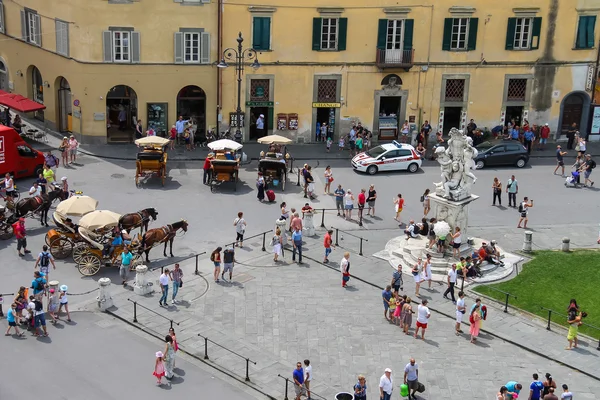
x,y
91,238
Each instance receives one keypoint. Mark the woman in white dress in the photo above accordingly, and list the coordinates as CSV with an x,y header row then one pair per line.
x,y
427,270
417,272
277,243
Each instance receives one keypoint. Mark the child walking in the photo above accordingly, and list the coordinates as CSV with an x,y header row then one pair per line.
x,y
329,143
341,143
159,368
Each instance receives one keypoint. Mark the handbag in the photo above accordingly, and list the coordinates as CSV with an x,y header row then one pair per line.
x,y
181,283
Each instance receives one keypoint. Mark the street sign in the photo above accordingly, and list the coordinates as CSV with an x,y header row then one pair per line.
x,y
76,103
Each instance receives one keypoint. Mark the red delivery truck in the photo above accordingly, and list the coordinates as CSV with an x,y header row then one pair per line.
x,y
17,157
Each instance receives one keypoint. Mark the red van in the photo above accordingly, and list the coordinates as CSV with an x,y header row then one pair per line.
x,y
17,157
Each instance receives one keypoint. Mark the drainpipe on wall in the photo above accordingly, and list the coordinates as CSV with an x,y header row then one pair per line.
x,y
219,70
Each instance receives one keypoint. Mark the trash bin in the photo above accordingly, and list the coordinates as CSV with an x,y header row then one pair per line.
x,y
344,396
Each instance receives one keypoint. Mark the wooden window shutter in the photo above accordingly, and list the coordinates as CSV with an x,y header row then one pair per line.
x,y
316,36
382,34
204,48
342,33
58,31
257,33
23,26
266,33
135,47
66,40
107,47
178,47
409,25
535,33
447,34
472,40
590,28
38,30
510,34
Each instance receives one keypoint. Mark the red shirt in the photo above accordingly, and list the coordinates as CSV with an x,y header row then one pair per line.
x,y
545,132
327,240
19,230
482,253
173,133
206,163
361,198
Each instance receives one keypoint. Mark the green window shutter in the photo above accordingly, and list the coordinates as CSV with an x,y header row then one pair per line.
x,y
510,33
266,33
535,33
382,34
408,34
581,41
591,25
472,40
257,33
447,34
316,37
342,32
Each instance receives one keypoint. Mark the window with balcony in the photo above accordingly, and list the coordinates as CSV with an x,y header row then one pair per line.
x,y
329,34
192,46
460,34
121,45
523,33
31,29
585,32
395,42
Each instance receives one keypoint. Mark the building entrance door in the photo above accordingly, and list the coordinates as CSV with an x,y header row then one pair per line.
x,y
389,118
451,118
572,112
514,113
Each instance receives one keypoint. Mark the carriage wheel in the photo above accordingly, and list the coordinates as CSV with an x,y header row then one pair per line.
x,y
79,249
89,264
47,239
6,232
61,247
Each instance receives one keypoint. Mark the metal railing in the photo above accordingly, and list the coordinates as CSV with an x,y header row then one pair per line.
x,y
337,231
162,268
248,361
507,296
395,58
1,301
564,314
136,305
287,381
264,238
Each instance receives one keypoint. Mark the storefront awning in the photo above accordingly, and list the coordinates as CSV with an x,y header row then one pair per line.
x,y
19,103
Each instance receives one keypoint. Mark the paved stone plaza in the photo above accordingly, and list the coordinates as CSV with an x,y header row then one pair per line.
x,y
279,314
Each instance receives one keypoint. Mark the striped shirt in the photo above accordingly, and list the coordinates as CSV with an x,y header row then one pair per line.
x,y
176,275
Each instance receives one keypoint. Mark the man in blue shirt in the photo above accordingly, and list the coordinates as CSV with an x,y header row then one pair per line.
x,y
298,376
297,243
514,134
386,295
529,137
180,127
513,387
38,284
535,389
260,125
339,199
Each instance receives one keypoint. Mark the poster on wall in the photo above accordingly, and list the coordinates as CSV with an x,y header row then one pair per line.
x,y
595,121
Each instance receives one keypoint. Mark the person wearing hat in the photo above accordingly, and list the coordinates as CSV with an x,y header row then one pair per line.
x,y
64,150
260,125
65,185
73,145
159,367
386,385
544,135
53,305
207,168
63,301
19,229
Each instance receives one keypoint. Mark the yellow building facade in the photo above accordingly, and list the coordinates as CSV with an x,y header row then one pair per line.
x,y
99,66
385,62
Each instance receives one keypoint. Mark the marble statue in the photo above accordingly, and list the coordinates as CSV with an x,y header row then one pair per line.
x,y
456,163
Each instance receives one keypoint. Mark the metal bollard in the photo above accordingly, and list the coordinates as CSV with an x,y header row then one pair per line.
x,y
135,311
549,319
336,236
566,243
360,250
264,241
506,303
298,184
206,348
323,218
196,271
247,376
527,243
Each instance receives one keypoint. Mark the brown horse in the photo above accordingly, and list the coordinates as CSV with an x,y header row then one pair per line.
x,y
41,204
165,234
140,219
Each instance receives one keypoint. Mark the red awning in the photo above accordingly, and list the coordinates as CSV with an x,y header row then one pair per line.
x,y
19,103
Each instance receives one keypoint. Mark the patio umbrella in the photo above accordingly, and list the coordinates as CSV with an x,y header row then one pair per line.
x,y
19,103
77,206
224,144
152,141
274,139
99,219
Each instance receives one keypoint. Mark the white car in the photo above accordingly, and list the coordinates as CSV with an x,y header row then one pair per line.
x,y
387,157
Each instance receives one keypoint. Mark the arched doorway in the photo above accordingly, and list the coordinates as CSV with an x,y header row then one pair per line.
x,y
3,76
64,101
574,108
191,104
121,113
37,90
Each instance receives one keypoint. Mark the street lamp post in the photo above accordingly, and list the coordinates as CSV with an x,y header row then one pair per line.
x,y
239,56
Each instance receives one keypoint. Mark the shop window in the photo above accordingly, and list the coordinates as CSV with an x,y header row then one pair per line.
x,y
585,32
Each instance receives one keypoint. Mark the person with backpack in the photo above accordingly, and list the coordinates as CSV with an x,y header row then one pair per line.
x,y
228,262
43,261
523,207
36,308
38,284
587,169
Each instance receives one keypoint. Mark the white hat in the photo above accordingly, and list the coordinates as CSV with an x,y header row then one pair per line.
x,y
262,115
388,370
64,178
159,354
546,124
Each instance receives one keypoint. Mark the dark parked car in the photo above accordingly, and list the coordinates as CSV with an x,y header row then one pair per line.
x,y
507,152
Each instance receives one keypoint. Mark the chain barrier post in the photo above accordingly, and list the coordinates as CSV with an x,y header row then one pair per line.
x,y
264,241
506,303
247,376
336,236
171,321
298,184
196,271
135,311
360,253
323,219
206,348
549,317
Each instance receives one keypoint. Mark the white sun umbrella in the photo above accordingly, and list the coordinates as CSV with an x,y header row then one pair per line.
x,y
100,219
274,139
152,141
441,228
77,206
225,144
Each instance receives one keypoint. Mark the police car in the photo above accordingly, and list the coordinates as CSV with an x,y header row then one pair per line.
x,y
387,157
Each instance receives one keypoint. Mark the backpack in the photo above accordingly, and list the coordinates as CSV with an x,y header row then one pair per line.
x,y
38,305
416,230
45,259
422,199
39,284
592,164
521,209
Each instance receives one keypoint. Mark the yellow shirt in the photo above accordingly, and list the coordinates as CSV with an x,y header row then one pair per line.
x,y
392,303
48,175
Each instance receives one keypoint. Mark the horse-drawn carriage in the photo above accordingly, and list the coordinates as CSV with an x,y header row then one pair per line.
x,y
64,240
152,159
6,229
273,164
225,163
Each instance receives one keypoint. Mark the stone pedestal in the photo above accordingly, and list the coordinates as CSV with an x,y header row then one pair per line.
x,y
105,300
455,213
566,243
142,286
281,224
53,285
309,225
527,242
